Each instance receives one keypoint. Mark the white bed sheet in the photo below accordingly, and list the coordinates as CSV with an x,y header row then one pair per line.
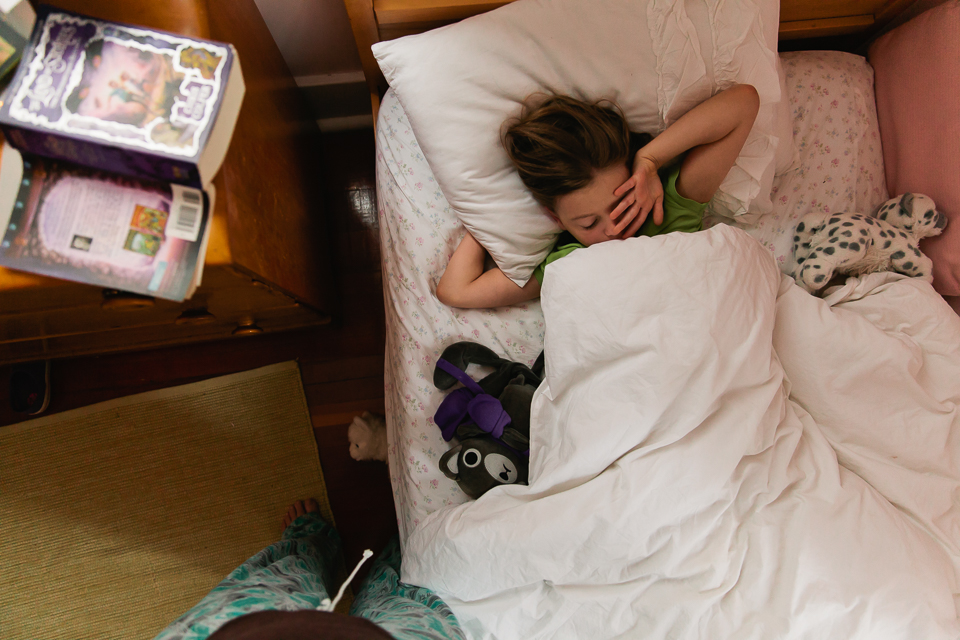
x,y
831,95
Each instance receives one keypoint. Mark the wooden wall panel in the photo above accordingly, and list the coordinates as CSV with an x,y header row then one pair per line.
x,y
188,17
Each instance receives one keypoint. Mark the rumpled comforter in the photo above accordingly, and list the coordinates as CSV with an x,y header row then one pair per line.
x,y
717,454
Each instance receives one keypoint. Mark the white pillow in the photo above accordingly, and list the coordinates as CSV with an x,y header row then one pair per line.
x,y
743,50
459,83
729,202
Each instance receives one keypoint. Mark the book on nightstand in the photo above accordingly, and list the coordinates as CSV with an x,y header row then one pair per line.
x,y
66,221
19,14
123,99
13,37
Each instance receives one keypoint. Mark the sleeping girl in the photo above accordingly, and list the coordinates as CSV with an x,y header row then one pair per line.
x,y
599,181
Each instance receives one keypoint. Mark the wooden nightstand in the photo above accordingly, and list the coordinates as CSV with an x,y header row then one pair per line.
x,y
267,266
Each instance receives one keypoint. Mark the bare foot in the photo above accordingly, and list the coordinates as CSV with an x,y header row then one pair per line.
x,y
368,437
299,508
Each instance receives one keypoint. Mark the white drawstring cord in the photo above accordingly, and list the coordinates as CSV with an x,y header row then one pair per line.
x,y
326,605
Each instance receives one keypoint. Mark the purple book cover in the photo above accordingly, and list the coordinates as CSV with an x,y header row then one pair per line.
x,y
116,97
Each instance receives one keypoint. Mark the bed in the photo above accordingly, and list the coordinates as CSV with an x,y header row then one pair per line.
x,y
831,513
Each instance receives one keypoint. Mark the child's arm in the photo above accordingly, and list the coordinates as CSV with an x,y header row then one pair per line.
x,y
713,132
466,285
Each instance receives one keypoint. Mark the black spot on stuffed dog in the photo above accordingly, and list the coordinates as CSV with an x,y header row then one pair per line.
x,y
853,244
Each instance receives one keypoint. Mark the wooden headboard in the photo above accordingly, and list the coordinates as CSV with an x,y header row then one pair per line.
x,y
377,20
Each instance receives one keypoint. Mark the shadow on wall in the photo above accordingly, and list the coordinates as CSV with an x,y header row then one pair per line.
x,y
316,41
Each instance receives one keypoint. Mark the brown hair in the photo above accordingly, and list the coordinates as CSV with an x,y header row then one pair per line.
x,y
559,143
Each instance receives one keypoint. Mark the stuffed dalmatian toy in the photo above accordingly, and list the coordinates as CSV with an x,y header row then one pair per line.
x,y
853,244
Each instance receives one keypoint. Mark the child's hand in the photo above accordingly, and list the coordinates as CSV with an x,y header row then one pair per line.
x,y
642,193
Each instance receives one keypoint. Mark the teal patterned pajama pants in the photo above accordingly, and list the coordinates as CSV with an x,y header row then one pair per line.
x,y
299,572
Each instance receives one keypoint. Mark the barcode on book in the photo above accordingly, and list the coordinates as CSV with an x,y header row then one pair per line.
x,y
186,213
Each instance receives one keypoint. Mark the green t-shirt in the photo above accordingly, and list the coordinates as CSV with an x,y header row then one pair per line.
x,y
679,214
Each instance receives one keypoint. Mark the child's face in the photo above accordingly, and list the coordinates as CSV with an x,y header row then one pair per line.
x,y
585,213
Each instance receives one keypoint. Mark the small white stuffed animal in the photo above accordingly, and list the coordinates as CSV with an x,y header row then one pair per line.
x,y
368,437
853,244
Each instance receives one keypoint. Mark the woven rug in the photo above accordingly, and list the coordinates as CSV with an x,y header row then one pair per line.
x,y
117,518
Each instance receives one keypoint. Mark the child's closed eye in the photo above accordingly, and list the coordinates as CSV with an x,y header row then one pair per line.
x,y
592,224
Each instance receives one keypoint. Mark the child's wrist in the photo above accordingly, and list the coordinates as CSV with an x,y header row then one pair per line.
x,y
649,162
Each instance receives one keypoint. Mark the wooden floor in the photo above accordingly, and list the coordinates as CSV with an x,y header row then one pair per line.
x,y
341,364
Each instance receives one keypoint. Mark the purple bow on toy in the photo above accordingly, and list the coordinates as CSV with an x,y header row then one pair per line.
x,y
485,410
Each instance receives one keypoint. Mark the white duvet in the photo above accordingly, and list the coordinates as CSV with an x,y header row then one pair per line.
x,y
717,454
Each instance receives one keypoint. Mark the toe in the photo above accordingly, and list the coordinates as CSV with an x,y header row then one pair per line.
x,y
299,508
291,515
